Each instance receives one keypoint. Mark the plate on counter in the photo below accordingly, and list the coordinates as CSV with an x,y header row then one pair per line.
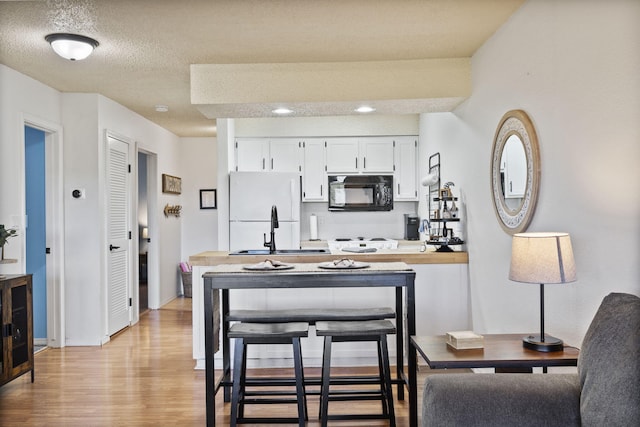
x,y
268,265
343,264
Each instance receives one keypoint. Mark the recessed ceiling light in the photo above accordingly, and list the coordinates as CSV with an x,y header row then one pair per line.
x,y
162,108
365,109
73,47
282,111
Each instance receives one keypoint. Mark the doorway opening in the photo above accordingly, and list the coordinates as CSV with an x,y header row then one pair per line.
x,y
35,228
143,232
43,225
147,220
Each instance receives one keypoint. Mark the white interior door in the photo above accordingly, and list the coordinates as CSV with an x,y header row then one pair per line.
x,y
118,190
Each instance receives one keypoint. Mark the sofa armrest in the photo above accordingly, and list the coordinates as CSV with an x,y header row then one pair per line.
x,y
501,400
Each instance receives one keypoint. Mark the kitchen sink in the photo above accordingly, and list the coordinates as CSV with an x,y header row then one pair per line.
x,y
319,251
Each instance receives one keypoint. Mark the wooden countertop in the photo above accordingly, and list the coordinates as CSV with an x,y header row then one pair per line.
x,y
409,256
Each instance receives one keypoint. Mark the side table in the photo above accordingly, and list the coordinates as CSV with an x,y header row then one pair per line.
x,y
500,351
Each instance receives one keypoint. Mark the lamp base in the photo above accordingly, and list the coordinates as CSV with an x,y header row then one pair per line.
x,y
533,342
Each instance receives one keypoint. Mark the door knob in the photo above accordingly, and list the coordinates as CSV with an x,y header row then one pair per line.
x,y
111,247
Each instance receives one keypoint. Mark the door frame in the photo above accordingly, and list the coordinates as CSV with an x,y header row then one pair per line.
x,y
54,171
153,213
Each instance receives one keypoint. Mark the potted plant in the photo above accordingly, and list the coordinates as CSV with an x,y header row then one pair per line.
x,y
5,235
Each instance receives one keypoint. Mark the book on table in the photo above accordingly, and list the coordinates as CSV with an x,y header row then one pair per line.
x,y
462,340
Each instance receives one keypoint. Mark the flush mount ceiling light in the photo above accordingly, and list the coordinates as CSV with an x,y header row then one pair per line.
x,y
365,109
73,47
162,108
282,111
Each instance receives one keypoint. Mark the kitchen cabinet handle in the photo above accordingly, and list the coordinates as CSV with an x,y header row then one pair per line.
x,y
321,190
364,163
510,186
356,163
111,247
263,164
271,164
398,188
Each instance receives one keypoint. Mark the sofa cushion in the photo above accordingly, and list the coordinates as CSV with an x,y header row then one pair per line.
x,y
523,400
609,364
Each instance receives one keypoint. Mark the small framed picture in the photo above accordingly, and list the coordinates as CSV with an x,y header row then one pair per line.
x,y
171,184
208,199
445,193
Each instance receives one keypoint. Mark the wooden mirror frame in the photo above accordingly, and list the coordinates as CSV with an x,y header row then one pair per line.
x,y
516,122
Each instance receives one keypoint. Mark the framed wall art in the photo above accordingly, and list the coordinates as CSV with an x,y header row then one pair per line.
x,y
208,199
171,184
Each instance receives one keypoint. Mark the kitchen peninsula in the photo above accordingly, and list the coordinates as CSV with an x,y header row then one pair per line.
x,y
441,288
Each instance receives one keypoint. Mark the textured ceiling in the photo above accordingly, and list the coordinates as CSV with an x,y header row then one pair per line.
x,y
147,46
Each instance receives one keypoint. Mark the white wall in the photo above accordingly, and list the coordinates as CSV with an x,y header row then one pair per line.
x,y
573,67
199,162
20,96
85,119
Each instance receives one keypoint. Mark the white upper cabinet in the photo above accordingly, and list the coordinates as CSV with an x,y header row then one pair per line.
x,y
376,154
314,177
267,155
406,168
284,155
315,158
360,155
252,155
342,155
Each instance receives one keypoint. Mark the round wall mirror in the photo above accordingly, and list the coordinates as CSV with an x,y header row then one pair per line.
x,y
515,171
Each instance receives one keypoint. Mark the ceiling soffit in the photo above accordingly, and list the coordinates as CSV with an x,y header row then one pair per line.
x,y
252,90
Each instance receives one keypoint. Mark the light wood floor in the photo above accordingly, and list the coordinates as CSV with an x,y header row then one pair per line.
x,y
143,376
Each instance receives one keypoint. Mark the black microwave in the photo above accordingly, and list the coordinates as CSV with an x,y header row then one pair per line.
x,y
360,192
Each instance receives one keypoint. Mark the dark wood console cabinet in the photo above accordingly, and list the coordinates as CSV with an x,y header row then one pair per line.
x,y
16,307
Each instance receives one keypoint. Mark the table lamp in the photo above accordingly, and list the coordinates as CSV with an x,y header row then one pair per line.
x,y
542,258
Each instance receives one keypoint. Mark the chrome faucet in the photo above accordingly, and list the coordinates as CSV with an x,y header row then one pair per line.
x,y
274,224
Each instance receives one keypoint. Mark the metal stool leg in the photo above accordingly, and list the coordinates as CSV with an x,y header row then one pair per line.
x,y
381,374
326,379
237,380
300,392
387,379
243,380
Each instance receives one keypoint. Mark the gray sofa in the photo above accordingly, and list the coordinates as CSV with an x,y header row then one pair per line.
x,y
604,392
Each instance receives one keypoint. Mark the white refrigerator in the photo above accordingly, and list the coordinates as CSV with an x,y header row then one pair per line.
x,y
251,195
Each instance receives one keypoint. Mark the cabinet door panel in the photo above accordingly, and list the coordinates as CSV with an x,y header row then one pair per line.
x,y
17,320
406,179
342,155
377,155
314,178
252,155
284,156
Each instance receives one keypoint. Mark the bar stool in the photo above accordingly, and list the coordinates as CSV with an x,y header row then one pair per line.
x,y
266,333
371,330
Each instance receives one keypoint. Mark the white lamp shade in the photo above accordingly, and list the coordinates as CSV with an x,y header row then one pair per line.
x,y
73,47
542,258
